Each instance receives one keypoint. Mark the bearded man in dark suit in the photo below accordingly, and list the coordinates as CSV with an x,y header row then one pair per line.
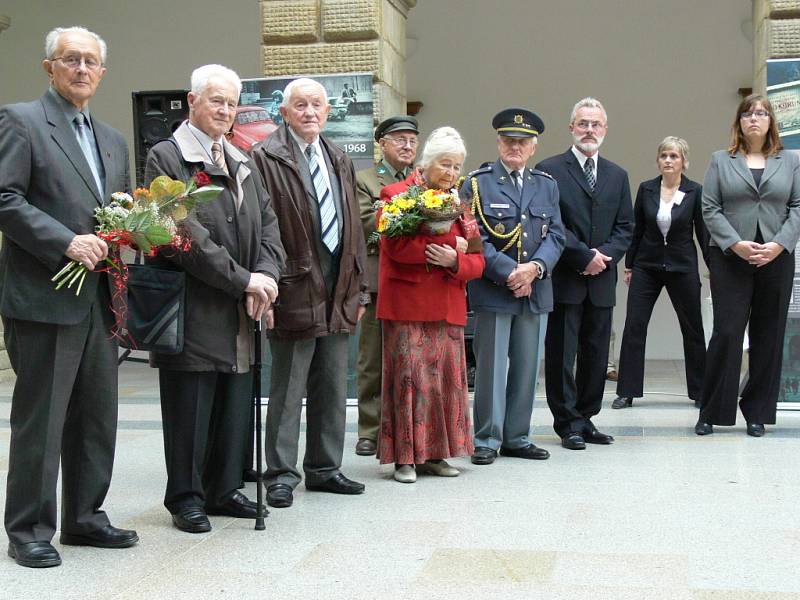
x,y
595,201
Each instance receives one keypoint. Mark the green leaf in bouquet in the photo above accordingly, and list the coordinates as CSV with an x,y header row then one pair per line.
x,y
141,241
205,194
159,187
176,188
157,235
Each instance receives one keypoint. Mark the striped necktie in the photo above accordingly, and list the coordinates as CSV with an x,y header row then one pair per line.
x,y
327,211
588,171
89,150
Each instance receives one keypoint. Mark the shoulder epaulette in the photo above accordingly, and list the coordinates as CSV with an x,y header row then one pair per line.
x,y
484,168
543,173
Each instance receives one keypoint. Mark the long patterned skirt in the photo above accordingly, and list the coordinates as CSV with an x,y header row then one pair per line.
x,y
424,405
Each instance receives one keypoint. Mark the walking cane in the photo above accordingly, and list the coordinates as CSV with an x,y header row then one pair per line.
x,y
257,429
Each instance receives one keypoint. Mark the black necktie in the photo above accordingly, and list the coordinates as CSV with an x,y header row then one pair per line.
x,y
588,171
517,179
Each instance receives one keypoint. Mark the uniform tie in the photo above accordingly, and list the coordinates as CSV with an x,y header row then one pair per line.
x,y
327,211
516,177
89,150
218,157
588,171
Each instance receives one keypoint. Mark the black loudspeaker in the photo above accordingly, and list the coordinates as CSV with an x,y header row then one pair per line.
x,y
156,115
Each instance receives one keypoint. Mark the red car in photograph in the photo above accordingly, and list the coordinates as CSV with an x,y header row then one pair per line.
x,y
252,125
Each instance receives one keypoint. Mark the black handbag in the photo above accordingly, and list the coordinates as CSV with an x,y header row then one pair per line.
x,y
156,306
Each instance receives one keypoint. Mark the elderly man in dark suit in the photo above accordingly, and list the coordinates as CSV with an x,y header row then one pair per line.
x,y
57,164
397,137
523,236
322,295
595,200
232,272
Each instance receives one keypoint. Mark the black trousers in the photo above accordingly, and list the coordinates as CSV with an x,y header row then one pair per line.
x,y
64,407
684,293
205,419
742,292
575,392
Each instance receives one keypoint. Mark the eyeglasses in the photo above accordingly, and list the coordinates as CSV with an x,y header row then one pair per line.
x,y
761,114
585,125
73,61
400,142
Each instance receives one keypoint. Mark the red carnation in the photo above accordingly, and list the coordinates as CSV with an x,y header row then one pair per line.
x,y
202,178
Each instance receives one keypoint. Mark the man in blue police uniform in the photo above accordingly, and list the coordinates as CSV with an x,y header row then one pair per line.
x,y
522,234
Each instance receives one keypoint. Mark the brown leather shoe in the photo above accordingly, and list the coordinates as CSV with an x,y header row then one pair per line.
x,y
366,447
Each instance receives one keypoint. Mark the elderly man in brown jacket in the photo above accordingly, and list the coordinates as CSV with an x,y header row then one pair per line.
x,y
322,295
232,271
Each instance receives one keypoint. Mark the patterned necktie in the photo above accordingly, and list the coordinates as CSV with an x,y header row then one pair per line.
x,y
588,171
89,150
517,179
218,157
327,211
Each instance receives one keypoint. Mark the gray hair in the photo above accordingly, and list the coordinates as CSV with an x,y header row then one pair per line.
x,y
679,144
587,102
202,75
294,84
51,41
442,140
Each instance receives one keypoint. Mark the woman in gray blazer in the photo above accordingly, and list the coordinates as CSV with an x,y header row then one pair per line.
x,y
751,206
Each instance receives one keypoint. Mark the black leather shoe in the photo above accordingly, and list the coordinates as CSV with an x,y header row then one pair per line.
x,y
279,495
34,554
483,456
191,519
703,428
697,403
573,441
622,402
755,429
237,506
366,447
530,451
338,484
106,537
592,436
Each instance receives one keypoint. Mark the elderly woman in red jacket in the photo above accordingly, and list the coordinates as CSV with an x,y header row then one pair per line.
x,y
422,304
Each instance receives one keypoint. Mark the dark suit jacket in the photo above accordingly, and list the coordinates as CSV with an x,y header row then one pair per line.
x,y
648,249
602,219
47,196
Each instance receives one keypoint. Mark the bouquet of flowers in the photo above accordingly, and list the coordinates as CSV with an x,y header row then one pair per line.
x,y
147,221
431,211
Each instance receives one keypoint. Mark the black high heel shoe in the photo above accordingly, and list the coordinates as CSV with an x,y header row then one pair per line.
x,y
622,402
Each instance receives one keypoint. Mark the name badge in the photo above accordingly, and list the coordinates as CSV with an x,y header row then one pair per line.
x,y
499,206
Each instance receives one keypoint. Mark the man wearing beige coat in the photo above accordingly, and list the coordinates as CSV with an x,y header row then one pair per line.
x,y
397,137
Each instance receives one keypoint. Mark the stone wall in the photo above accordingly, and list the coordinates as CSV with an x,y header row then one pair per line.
x,y
776,34
340,36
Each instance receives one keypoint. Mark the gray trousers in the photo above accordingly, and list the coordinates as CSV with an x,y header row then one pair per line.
x,y
368,370
64,407
315,368
507,351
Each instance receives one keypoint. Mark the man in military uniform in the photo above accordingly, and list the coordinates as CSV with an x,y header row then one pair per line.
x,y
522,235
397,137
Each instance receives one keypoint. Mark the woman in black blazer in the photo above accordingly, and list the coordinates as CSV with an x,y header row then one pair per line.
x,y
663,254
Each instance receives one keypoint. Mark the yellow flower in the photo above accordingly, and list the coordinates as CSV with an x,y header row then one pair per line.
x,y
391,208
404,203
382,222
430,199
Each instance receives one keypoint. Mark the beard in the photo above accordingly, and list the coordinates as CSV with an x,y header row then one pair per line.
x,y
588,147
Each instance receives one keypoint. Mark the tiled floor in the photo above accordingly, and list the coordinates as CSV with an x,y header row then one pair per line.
x,y
660,514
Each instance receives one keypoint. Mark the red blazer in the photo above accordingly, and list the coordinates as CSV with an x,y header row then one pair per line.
x,y
407,290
